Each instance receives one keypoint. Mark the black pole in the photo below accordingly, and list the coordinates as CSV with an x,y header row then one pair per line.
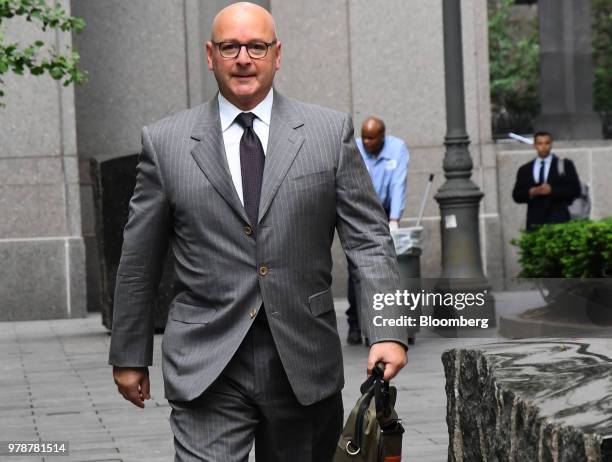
x,y
459,198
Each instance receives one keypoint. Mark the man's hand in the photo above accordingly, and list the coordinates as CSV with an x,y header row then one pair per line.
x,y
392,354
133,383
542,190
545,189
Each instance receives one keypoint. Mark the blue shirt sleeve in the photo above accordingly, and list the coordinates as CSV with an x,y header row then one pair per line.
x,y
397,186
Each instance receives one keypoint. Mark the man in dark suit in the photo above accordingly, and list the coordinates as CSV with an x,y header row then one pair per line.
x,y
539,184
248,190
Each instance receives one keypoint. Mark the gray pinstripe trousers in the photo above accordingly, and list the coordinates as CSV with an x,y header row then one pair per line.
x,y
252,400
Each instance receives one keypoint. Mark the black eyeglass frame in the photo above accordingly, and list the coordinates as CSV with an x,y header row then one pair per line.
x,y
246,45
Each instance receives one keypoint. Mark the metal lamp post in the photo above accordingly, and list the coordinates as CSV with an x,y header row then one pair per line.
x,y
459,197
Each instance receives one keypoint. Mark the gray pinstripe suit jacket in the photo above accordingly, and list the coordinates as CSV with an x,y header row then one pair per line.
x,y
314,182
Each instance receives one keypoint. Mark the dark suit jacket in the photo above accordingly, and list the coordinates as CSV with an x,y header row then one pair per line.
x,y
314,183
552,208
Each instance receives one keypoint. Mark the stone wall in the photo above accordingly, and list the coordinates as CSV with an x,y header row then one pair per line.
x,y
41,245
530,401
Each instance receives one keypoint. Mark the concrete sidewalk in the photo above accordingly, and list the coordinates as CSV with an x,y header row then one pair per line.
x,y
55,384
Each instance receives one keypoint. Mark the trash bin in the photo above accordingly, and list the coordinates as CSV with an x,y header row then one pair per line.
x,y
114,181
408,247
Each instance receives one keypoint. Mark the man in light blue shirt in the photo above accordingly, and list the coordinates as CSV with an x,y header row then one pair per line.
x,y
386,158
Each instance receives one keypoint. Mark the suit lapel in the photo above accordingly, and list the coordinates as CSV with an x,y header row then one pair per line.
x,y
210,156
283,145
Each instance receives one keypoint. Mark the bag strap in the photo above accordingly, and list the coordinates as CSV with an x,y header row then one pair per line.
x,y
561,166
372,389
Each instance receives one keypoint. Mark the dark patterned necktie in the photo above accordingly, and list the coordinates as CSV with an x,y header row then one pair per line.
x,y
541,176
252,160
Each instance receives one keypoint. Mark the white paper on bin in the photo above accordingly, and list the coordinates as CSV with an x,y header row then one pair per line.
x,y
405,239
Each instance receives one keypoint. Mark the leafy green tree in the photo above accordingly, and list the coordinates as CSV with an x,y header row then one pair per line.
x,y
17,58
602,54
514,59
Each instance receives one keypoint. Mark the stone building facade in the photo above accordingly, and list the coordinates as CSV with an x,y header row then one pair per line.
x,y
145,60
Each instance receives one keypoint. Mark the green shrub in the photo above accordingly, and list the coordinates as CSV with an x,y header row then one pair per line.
x,y
578,249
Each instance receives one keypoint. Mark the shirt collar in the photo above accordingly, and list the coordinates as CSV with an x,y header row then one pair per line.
x,y
547,160
228,112
383,154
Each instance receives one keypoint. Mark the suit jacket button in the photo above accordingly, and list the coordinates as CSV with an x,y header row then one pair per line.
x,y
248,230
263,270
253,312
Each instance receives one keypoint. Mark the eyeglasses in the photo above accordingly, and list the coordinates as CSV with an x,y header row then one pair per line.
x,y
256,50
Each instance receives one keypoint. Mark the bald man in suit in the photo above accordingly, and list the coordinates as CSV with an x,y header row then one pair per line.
x,y
248,190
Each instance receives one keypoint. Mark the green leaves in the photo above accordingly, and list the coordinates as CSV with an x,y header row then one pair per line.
x,y
53,17
513,60
16,58
578,249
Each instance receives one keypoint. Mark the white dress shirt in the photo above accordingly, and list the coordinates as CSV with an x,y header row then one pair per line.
x,y
536,167
232,132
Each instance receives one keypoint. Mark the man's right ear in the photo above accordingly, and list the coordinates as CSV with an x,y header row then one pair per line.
x,y
210,48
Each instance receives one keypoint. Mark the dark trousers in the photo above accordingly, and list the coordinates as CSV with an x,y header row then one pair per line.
x,y
252,400
351,313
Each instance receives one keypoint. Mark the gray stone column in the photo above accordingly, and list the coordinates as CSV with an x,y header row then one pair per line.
x,y
42,270
566,70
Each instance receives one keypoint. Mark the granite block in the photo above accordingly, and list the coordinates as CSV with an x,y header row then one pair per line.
x,y
132,50
73,206
488,185
31,171
530,401
315,37
32,211
601,186
33,276
492,250
391,75
425,159
31,101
